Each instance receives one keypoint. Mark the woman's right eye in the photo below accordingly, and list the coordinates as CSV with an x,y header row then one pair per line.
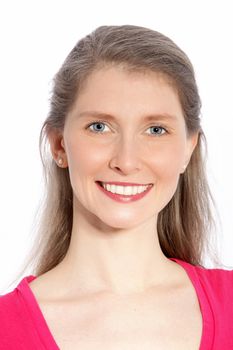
x,y
98,127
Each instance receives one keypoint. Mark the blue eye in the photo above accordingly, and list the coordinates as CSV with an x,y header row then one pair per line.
x,y
98,127
158,130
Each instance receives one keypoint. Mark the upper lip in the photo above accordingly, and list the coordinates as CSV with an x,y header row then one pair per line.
x,y
118,183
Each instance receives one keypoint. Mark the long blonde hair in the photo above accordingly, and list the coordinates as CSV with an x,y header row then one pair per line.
x,y
186,224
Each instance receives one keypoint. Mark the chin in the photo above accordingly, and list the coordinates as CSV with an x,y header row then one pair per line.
x,y
124,222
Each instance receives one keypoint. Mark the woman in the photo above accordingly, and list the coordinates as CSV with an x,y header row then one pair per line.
x,y
127,214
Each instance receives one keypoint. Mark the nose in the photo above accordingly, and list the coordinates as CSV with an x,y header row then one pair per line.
x,y
126,157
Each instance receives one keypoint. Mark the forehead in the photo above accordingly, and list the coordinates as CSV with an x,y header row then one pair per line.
x,y
116,89
120,73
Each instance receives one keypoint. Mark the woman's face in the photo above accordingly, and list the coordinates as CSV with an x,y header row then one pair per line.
x,y
125,127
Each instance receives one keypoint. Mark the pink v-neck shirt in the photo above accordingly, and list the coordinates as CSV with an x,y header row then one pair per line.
x,y
23,326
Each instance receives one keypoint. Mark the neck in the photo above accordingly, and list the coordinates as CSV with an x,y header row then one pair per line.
x,y
119,261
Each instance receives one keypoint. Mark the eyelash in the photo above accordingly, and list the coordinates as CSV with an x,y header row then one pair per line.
x,y
102,122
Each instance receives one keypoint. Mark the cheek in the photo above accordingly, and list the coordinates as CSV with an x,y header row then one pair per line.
x,y
84,157
166,168
168,160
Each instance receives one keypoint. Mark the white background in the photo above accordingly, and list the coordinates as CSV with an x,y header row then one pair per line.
x,y
35,38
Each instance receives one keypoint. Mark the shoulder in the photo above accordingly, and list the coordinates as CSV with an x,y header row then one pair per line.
x,y
218,286
14,318
215,284
13,304
209,277
215,277
10,320
8,305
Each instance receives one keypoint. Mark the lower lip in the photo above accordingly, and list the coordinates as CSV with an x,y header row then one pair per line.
x,y
122,198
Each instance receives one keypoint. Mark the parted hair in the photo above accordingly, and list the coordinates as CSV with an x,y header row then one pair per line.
x,y
186,224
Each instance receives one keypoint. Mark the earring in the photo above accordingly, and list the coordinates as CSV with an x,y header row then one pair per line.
x,y
60,161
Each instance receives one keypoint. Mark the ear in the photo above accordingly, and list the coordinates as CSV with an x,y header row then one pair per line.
x,y
57,148
192,141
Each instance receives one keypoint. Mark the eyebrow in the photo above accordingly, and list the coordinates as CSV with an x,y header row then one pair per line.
x,y
148,118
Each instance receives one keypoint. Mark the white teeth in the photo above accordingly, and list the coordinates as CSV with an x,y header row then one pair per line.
x,y
108,187
135,190
125,190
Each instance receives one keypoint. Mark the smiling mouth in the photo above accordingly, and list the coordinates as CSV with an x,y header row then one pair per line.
x,y
125,190
117,183
124,194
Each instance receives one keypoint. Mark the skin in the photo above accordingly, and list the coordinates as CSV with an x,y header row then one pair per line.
x,y
114,246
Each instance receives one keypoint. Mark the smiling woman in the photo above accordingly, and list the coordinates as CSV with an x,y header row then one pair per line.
x,y
119,257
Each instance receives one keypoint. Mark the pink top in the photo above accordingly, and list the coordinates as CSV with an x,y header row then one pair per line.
x,y
23,325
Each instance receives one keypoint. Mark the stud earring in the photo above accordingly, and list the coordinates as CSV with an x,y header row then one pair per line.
x,y
60,161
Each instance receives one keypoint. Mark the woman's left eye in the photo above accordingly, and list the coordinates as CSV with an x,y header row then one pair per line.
x,y
159,130
98,128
